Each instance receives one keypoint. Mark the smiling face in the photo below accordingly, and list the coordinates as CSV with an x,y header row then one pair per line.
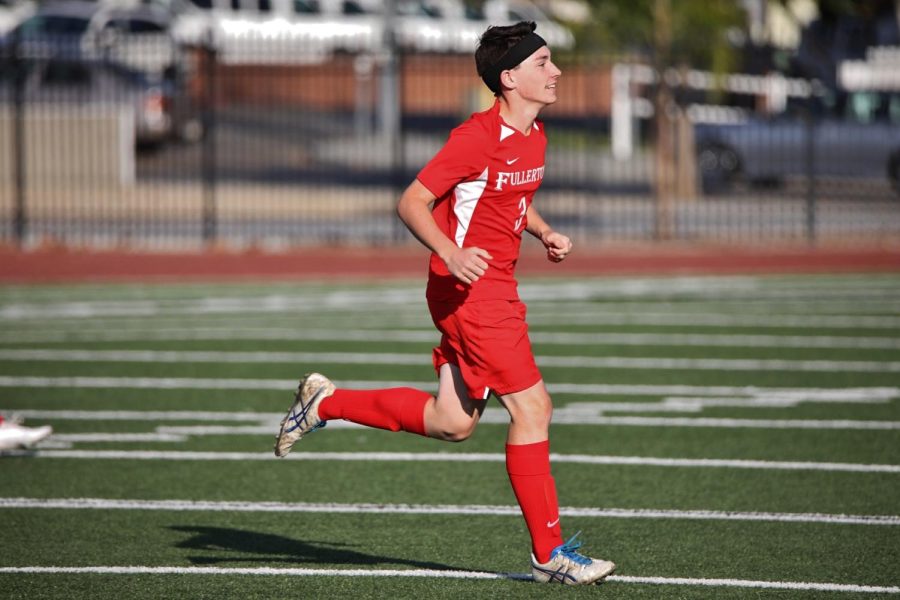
x,y
535,78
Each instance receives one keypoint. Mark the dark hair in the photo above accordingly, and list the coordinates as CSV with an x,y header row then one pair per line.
x,y
496,41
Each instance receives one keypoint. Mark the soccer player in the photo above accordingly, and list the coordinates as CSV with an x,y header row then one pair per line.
x,y
470,205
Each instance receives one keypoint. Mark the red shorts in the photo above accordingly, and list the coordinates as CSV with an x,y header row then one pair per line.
x,y
488,341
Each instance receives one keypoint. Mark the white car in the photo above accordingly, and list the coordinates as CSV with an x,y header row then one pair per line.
x,y
310,31
137,37
12,13
449,26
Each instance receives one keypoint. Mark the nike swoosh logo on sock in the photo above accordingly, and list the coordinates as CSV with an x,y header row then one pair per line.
x,y
552,523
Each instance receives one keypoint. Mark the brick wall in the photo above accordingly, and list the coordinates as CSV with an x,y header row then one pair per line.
x,y
430,85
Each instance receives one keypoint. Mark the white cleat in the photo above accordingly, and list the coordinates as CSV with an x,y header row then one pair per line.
x,y
569,567
303,417
15,437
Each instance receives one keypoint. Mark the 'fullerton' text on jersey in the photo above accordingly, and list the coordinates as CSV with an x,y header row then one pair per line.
x,y
517,178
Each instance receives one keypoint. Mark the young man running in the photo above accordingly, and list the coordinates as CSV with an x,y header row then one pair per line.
x,y
469,205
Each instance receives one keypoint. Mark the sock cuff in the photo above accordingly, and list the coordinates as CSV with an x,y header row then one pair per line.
x,y
412,419
528,459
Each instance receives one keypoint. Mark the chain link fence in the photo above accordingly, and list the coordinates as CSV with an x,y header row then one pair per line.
x,y
116,147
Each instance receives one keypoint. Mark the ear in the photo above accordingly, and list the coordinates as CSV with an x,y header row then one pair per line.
x,y
508,79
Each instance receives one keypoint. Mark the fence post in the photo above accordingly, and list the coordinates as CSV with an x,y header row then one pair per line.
x,y
810,128
20,219
391,106
210,59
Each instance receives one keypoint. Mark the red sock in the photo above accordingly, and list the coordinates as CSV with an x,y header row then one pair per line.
x,y
395,409
528,466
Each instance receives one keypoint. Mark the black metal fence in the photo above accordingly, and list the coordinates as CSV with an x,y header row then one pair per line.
x,y
98,148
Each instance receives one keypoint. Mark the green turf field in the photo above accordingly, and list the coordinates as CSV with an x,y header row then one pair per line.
x,y
717,437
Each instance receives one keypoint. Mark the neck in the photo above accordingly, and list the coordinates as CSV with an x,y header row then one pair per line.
x,y
518,113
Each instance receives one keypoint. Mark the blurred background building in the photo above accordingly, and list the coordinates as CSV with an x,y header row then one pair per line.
x,y
276,123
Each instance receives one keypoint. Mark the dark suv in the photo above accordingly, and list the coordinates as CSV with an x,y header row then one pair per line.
x,y
161,110
861,141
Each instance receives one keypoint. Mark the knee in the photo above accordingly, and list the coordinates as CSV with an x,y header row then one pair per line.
x,y
455,430
535,413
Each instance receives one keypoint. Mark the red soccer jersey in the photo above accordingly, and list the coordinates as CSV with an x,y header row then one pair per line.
x,y
484,179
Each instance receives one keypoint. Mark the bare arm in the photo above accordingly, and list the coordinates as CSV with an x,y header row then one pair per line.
x,y
558,245
414,209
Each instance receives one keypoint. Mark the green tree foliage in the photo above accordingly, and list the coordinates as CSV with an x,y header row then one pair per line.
x,y
701,32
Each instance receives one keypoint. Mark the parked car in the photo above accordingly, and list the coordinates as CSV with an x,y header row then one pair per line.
x,y
291,31
162,111
13,12
138,36
454,26
861,142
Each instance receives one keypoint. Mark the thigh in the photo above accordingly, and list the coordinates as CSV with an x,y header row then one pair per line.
x,y
488,341
453,401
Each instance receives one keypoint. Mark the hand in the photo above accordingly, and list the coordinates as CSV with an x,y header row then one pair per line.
x,y
558,245
468,264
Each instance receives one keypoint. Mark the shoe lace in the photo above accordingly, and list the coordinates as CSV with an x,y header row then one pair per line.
x,y
569,551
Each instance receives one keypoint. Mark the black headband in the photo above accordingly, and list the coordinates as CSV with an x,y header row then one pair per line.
x,y
524,48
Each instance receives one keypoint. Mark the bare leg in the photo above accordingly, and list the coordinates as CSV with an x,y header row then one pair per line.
x,y
452,415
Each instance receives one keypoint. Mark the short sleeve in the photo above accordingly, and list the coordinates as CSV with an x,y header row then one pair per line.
x,y
463,158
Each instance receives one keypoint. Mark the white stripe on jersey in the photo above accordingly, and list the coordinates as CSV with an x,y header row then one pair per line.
x,y
467,196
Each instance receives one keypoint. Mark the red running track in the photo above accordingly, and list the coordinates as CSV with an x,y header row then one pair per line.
x,y
68,266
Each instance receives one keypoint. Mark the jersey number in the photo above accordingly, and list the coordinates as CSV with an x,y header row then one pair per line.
x,y
523,208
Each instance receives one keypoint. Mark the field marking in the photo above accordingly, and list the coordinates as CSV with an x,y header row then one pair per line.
x,y
600,389
446,574
720,320
871,300
716,287
431,336
81,311
65,440
561,416
536,317
353,297
440,509
458,457
422,359
533,286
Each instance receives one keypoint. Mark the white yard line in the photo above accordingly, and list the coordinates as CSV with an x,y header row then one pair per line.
x,y
440,509
720,320
393,358
846,424
158,436
445,574
458,457
601,288
354,304
417,317
599,389
561,416
152,383
430,336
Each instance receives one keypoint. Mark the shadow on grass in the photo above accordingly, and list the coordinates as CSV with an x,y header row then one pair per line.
x,y
223,545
